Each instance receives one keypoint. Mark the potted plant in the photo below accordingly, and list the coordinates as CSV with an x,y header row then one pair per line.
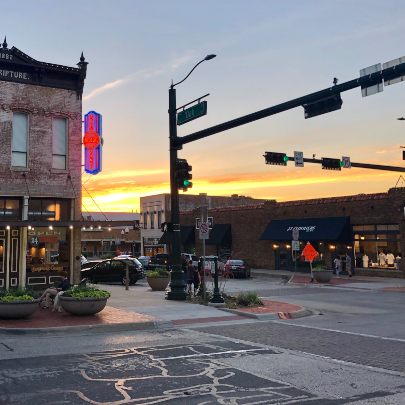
x,y
17,303
322,274
158,279
84,300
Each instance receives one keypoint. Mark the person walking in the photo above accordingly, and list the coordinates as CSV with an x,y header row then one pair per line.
x,y
338,266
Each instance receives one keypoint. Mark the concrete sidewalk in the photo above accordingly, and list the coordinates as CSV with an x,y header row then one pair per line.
x,y
140,308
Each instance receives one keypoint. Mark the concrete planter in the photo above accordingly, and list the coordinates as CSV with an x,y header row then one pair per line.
x,y
323,276
18,309
158,283
83,306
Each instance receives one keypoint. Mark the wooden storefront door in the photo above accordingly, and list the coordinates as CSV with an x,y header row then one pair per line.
x,y
9,258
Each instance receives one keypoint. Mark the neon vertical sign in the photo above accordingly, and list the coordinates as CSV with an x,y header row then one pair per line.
x,y
92,142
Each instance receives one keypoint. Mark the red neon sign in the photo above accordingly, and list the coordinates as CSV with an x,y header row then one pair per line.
x,y
92,142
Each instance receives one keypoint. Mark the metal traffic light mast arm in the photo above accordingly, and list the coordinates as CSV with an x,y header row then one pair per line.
x,y
365,81
361,165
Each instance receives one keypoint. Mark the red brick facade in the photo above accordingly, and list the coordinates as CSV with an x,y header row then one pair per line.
x,y
248,223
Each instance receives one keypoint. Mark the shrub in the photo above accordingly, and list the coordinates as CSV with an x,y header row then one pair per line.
x,y
158,273
249,299
18,294
81,292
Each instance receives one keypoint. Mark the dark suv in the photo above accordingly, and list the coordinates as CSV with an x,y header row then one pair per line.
x,y
111,270
160,259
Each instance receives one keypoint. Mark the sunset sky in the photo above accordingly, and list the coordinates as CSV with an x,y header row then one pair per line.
x,y
267,52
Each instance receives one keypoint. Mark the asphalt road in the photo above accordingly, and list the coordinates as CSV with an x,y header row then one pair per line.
x,y
354,353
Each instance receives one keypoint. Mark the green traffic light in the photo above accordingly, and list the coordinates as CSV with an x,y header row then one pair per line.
x,y
341,163
285,158
186,183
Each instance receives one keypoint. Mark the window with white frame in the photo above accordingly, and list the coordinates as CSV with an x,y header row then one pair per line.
x,y
59,143
20,140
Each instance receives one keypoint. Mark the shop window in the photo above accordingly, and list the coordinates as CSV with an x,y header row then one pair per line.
x,y
360,228
145,220
47,250
9,208
59,143
152,220
20,140
48,210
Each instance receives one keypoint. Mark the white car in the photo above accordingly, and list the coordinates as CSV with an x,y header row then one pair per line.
x,y
83,260
193,258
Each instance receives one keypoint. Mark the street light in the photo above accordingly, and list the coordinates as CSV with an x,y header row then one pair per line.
x,y
177,283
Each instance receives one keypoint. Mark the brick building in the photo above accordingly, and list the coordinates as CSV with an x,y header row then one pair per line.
x,y
155,210
40,169
360,225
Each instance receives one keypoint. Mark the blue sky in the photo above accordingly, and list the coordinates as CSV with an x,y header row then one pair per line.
x,y
268,52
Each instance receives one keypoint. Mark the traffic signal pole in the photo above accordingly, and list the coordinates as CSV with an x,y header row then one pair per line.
x,y
364,81
177,282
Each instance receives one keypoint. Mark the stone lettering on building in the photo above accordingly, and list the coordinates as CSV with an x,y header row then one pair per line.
x,y
6,56
12,74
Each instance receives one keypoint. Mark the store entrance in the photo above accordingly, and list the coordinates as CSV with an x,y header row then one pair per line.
x,y
9,258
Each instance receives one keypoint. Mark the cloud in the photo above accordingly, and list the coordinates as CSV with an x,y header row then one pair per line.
x,y
142,74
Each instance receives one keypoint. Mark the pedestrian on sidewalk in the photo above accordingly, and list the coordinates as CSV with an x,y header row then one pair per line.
x,y
338,266
349,265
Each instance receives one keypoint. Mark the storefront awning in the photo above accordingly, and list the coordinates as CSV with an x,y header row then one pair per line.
x,y
310,229
187,235
220,234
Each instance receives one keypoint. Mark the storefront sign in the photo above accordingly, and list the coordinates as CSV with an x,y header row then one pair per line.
x,y
92,142
302,228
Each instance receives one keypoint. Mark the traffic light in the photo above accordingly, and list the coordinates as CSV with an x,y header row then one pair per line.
x,y
331,164
323,106
183,175
276,158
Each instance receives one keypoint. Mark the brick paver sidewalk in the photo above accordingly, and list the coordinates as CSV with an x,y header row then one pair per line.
x,y
45,318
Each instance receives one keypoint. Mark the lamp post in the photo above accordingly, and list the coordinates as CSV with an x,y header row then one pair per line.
x,y
177,283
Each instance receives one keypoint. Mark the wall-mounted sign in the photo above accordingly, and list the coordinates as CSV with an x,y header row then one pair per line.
x,y
92,142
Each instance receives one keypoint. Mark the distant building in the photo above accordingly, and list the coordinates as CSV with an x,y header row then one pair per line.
x,y
155,210
102,241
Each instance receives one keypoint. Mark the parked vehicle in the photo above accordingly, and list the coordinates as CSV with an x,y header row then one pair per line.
x,y
193,258
160,259
125,257
237,268
90,263
111,270
83,259
145,261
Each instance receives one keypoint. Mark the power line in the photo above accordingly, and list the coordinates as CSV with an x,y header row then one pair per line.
x,y
94,201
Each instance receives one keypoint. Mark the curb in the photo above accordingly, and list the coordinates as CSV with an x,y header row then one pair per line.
x,y
114,327
272,315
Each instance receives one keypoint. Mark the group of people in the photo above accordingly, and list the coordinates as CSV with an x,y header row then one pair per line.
x,y
337,263
383,260
193,277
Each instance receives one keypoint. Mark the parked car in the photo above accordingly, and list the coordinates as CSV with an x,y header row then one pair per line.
x,y
111,270
125,257
90,263
145,261
83,259
237,268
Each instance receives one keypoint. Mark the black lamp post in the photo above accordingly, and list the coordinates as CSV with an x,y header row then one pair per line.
x,y
177,283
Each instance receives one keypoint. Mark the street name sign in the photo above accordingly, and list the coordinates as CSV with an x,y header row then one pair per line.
x,y
191,113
